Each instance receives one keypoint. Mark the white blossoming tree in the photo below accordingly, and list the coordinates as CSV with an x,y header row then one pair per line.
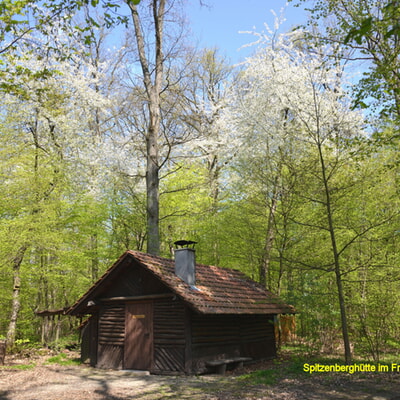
x,y
46,120
296,123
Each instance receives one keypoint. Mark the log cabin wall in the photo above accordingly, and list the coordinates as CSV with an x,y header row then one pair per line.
x,y
213,337
136,281
111,334
258,336
226,336
89,341
110,327
169,336
108,331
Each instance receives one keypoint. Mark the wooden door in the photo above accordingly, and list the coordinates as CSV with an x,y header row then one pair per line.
x,y
138,352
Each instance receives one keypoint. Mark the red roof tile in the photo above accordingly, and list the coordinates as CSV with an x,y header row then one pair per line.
x,y
217,291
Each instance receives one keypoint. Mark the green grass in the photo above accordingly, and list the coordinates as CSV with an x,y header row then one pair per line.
x,y
262,377
281,368
62,359
21,367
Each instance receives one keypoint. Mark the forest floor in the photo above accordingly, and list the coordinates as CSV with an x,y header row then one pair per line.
x,y
57,378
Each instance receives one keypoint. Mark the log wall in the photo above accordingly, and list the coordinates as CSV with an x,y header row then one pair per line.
x,y
226,336
169,336
111,334
169,333
136,281
258,336
89,341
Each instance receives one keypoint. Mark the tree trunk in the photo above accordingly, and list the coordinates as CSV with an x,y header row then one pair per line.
x,y
152,193
213,178
16,302
94,257
343,314
269,237
153,93
335,253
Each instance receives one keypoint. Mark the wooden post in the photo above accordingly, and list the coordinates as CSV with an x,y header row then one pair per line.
x,y
3,345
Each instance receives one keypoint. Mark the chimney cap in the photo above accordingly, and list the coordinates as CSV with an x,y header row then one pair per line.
x,y
185,243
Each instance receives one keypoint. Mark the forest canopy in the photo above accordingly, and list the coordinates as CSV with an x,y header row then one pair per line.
x,y
285,167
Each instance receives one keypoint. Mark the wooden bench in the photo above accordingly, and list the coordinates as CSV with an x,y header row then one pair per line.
x,y
220,365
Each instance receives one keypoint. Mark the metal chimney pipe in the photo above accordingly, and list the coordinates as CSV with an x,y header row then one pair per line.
x,y
185,265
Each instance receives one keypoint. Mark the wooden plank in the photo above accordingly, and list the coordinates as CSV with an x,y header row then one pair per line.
x,y
134,298
169,359
110,356
111,329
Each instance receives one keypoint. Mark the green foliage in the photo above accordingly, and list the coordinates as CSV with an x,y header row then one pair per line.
x,y
368,30
23,347
388,19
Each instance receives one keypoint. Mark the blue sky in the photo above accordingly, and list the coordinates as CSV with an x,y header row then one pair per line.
x,y
219,24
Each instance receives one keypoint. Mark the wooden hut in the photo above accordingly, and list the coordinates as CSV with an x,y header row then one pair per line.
x,y
166,316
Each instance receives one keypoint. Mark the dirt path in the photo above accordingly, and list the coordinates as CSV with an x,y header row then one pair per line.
x,y
54,382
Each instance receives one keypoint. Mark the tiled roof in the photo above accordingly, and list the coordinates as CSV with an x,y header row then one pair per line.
x,y
217,291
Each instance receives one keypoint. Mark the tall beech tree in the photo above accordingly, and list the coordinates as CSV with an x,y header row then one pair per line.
x,y
155,57
153,81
